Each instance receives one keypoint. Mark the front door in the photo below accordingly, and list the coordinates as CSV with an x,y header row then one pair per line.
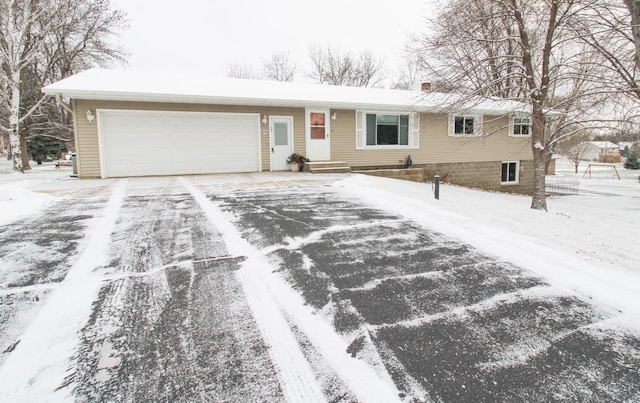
x,y
281,139
318,142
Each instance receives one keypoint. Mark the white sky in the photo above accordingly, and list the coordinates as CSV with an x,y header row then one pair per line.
x,y
205,36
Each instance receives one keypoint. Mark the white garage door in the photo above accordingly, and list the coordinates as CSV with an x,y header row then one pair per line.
x,y
140,143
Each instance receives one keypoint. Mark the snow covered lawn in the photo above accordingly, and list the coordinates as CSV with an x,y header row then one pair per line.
x,y
288,287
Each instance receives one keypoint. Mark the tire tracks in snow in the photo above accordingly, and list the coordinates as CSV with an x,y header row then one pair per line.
x,y
268,297
38,369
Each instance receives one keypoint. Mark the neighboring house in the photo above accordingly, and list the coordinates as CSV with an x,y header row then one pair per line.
x,y
627,145
603,151
133,124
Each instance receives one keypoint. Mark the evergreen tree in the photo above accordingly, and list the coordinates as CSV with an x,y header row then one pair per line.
x,y
44,148
633,160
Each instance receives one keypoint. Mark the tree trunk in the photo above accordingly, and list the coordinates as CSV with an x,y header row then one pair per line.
x,y
14,122
539,199
540,157
634,10
23,152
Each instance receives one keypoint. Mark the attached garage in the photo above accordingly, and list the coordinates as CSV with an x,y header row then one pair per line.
x,y
144,143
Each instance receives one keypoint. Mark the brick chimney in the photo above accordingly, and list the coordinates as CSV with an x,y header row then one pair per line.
x,y
426,86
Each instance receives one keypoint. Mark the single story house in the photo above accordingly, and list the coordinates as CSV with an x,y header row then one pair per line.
x,y
602,151
136,124
624,146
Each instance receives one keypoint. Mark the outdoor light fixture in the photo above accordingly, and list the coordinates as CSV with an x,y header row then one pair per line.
x,y
264,119
334,115
90,116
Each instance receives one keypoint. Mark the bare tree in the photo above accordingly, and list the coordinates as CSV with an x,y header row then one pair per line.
x,y
241,70
574,148
279,67
524,51
334,67
409,74
44,41
18,51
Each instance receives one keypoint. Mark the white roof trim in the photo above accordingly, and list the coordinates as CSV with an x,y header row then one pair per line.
x,y
117,85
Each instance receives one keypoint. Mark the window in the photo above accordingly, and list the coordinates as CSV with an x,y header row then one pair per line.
x,y
510,171
387,129
281,134
521,126
317,125
465,125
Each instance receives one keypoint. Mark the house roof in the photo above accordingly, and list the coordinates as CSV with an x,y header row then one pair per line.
x,y
119,85
604,144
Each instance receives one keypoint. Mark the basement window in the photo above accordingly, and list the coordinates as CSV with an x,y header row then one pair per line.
x,y
510,172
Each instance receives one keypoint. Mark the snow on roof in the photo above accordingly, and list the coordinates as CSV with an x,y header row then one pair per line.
x,y
119,85
624,144
604,144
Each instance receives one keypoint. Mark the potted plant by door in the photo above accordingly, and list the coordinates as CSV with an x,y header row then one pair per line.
x,y
296,162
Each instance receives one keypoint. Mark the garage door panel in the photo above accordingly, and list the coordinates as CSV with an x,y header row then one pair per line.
x,y
167,143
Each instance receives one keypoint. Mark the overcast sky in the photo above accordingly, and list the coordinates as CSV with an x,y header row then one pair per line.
x,y
206,36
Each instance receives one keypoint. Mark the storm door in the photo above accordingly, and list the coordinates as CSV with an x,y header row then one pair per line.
x,y
281,139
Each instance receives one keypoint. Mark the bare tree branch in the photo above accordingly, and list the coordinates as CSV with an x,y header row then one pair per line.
x,y
557,56
42,42
240,70
334,67
279,67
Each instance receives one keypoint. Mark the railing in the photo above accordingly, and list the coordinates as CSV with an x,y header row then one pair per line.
x,y
562,187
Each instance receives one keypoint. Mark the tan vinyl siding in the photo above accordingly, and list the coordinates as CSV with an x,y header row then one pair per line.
x,y
495,145
435,145
343,146
87,133
87,149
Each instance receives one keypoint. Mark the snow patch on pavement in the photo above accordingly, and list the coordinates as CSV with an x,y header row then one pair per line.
x,y
17,202
40,366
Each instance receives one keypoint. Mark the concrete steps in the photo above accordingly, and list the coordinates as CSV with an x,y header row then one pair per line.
x,y
327,167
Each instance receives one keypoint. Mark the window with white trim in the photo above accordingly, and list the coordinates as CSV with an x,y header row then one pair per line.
x,y
520,126
465,125
386,130
510,172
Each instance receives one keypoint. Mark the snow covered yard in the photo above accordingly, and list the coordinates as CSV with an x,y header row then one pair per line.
x,y
341,287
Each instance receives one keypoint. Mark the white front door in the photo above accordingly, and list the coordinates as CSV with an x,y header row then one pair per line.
x,y
318,130
281,139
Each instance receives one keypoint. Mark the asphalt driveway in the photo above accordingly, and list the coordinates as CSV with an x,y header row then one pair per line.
x,y
296,292
449,323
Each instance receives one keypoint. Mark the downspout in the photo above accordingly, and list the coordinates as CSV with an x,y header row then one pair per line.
x,y
76,156
61,103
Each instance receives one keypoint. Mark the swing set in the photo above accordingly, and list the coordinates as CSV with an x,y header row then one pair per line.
x,y
614,170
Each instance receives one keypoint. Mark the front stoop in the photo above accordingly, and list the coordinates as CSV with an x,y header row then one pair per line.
x,y
327,167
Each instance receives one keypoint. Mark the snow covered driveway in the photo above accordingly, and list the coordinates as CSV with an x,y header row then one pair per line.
x,y
206,289
449,322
